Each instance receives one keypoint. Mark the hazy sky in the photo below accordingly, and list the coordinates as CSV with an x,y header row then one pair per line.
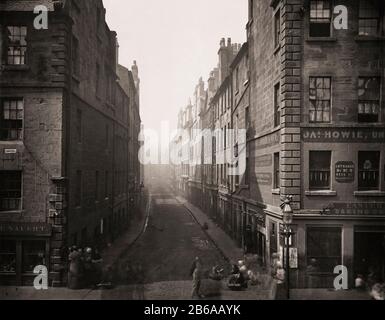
x,y
174,42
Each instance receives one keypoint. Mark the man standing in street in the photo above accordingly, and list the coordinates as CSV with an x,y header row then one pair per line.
x,y
197,277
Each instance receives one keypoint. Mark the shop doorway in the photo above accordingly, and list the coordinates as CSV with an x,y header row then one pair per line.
x,y
369,255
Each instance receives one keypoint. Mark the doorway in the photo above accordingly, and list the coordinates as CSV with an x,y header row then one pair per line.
x,y
369,254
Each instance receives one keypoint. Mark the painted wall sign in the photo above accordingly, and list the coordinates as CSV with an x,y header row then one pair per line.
x,y
268,140
10,151
25,228
353,135
264,161
264,178
351,208
345,171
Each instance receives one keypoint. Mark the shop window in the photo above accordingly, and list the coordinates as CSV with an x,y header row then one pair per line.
x,y
369,91
11,119
10,190
323,249
320,18
368,170
8,256
34,254
319,170
16,39
320,99
369,18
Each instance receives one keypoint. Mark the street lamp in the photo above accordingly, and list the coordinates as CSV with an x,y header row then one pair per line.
x,y
287,233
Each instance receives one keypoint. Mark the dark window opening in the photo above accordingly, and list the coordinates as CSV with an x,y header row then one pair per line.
x,y
320,99
277,28
7,256
369,18
11,119
368,170
34,254
276,171
319,170
10,190
16,45
320,19
277,108
369,89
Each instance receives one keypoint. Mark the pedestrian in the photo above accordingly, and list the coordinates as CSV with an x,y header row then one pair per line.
x,y
74,270
281,283
197,278
88,268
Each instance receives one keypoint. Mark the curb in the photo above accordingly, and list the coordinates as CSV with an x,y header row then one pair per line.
x,y
141,232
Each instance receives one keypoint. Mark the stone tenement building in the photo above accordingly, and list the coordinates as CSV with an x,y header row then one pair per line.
x,y
315,120
69,122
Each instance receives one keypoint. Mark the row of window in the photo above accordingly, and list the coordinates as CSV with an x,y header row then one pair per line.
x,y
370,19
319,171
33,253
370,15
368,170
11,188
16,54
320,100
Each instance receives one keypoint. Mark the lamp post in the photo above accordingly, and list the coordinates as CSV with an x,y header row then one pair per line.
x,y
287,233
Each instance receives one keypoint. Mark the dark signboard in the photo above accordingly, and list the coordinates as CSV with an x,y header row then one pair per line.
x,y
345,171
358,208
351,135
25,229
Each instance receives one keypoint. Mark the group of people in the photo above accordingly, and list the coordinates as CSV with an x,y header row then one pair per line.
x,y
85,268
372,284
241,277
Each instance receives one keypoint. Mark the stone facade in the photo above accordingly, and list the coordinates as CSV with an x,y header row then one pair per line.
x,y
79,127
313,108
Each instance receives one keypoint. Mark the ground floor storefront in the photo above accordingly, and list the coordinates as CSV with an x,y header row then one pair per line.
x,y
23,246
318,246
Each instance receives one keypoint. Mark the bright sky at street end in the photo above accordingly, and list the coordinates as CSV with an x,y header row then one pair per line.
x,y
175,42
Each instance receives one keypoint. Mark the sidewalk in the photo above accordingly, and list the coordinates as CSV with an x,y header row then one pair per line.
x,y
229,250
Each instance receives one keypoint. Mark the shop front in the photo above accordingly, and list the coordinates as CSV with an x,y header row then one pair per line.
x,y
23,246
369,252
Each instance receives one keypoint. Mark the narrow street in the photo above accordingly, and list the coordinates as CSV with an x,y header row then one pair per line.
x,y
171,241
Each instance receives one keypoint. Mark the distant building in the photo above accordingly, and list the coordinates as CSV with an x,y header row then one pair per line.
x,y
67,129
311,99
